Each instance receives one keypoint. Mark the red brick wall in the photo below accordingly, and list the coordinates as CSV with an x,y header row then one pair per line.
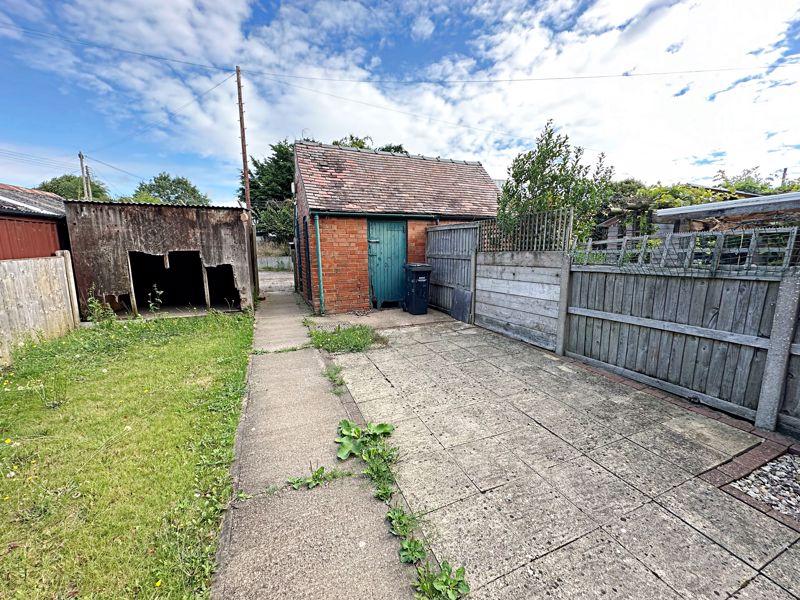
x,y
345,268
416,239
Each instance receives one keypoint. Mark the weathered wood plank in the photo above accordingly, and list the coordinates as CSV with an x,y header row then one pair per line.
x,y
516,332
679,341
659,303
724,322
696,310
647,312
548,308
521,259
542,291
549,275
680,328
528,320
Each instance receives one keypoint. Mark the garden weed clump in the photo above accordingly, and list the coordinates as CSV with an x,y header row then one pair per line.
x,y
371,444
318,476
355,338
334,375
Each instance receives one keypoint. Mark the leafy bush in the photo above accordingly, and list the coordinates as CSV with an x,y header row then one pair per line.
x,y
355,338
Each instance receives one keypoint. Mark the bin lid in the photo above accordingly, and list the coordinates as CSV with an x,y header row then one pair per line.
x,y
417,267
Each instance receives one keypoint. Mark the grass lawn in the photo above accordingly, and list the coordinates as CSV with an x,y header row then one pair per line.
x,y
115,448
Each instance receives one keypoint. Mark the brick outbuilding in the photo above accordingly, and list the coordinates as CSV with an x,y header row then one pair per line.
x,y
361,214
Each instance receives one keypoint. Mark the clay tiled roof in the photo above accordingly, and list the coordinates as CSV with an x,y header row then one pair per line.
x,y
368,181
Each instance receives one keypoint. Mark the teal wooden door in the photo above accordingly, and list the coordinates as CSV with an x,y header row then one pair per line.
x,y
387,255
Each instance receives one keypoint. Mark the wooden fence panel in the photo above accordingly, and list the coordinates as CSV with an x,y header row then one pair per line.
x,y
703,336
518,294
450,250
37,298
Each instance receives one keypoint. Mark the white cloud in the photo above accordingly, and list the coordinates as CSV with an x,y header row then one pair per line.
x,y
422,27
645,128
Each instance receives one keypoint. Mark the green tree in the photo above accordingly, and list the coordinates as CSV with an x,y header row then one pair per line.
x,y
271,178
140,198
352,141
751,180
552,176
172,190
277,221
396,148
71,187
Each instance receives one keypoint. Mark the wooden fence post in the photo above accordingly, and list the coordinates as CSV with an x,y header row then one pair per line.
x,y
780,341
563,301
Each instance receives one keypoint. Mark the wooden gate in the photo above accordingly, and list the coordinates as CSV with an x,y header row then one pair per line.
x,y
450,250
386,241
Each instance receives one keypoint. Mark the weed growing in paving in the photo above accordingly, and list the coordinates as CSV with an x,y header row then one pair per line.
x,y
318,476
402,524
371,444
334,374
355,338
441,584
412,551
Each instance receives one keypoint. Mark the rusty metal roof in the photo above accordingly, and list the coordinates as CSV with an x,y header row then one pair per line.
x,y
25,201
340,179
148,204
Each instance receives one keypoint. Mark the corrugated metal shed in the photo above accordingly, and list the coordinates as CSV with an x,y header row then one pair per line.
x,y
31,223
122,249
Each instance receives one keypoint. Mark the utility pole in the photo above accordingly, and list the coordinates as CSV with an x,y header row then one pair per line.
x,y
89,183
83,177
246,179
245,170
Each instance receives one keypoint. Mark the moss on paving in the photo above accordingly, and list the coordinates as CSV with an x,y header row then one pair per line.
x,y
115,448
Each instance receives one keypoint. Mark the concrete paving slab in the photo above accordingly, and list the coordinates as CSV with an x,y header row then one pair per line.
x,y
537,447
744,531
639,468
388,409
448,394
593,567
572,425
279,322
454,426
301,544
785,570
472,533
680,449
411,437
432,480
539,513
488,463
683,558
715,434
596,491
762,588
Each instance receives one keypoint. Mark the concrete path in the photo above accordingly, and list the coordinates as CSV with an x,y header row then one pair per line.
x,y
547,480
329,542
279,322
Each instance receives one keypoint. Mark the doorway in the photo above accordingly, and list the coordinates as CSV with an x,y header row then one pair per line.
x,y
386,242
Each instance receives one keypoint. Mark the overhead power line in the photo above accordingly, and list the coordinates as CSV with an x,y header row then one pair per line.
x,y
152,124
138,177
384,81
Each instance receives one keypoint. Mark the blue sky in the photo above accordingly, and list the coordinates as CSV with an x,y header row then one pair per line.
x,y
729,100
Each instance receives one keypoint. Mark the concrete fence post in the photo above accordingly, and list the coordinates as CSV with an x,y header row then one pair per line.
x,y
563,301
70,283
780,342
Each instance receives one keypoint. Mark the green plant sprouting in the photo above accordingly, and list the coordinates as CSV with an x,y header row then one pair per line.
x,y
318,476
355,338
370,443
334,374
99,311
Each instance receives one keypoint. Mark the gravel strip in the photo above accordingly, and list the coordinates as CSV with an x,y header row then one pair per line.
x,y
777,483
